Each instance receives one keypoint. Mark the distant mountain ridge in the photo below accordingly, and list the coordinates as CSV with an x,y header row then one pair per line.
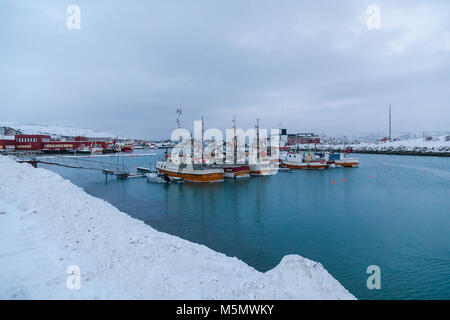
x,y
61,131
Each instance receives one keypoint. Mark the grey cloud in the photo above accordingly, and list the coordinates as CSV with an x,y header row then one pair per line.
x,y
307,65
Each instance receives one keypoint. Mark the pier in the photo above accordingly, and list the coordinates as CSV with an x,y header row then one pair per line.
x,y
87,162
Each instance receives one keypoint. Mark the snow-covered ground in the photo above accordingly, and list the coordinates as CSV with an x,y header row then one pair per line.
x,y
437,144
60,131
48,224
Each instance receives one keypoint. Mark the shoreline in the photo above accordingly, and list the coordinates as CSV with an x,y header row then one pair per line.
x,y
48,224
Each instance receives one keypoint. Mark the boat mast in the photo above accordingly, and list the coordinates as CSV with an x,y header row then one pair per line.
x,y
257,137
179,112
202,137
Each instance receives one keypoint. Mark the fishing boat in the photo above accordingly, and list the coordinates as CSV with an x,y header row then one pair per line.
x,y
263,169
305,161
84,150
342,160
178,166
127,148
161,178
263,166
96,150
235,170
189,172
109,150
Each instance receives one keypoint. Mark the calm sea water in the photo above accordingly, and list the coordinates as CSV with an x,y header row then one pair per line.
x,y
393,211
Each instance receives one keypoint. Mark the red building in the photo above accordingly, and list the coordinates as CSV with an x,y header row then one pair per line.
x,y
32,142
302,138
73,145
8,145
39,142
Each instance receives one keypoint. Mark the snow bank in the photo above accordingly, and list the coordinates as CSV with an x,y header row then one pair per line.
x,y
434,145
48,224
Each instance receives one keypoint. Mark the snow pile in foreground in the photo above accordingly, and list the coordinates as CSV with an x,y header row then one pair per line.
x,y
48,224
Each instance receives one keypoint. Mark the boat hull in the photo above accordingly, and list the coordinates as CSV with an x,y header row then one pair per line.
x,y
263,170
305,165
83,151
187,172
191,177
97,151
235,172
347,164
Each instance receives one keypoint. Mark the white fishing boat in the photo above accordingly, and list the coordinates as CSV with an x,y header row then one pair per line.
x,y
263,169
304,161
344,161
161,178
83,150
96,150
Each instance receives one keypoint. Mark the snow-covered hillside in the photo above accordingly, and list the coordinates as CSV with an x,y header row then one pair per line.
x,y
436,144
61,131
48,224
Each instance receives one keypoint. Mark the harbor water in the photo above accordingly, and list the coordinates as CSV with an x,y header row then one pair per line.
x,y
392,211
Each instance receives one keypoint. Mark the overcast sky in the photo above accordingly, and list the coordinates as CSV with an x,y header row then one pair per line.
x,y
307,65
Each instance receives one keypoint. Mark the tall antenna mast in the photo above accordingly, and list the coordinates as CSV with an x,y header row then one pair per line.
x,y
390,122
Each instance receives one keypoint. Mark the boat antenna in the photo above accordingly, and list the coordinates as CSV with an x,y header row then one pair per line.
x,y
179,112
